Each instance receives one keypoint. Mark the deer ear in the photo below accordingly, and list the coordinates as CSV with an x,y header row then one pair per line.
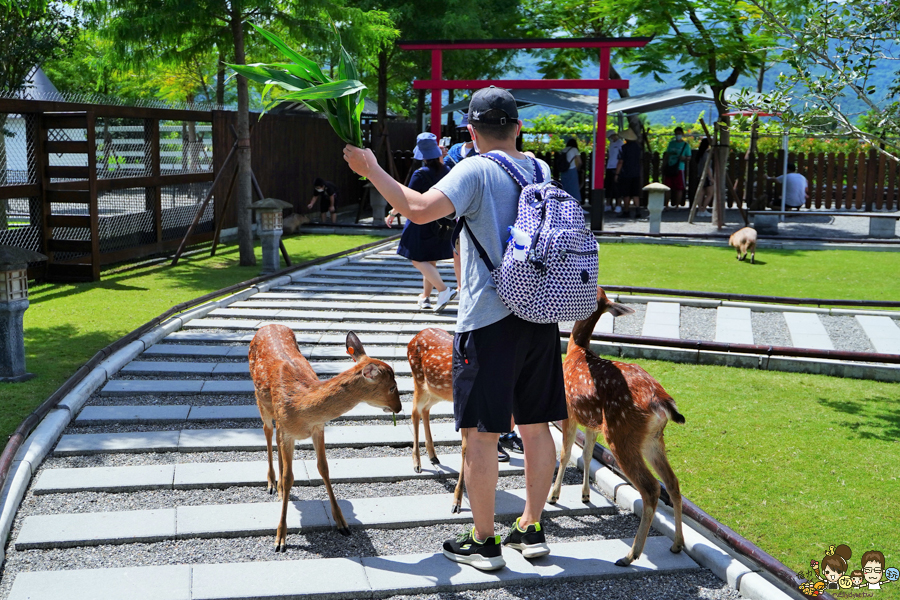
x,y
370,371
619,310
354,347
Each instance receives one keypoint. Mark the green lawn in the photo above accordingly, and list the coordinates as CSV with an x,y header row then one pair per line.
x,y
66,324
843,274
794,463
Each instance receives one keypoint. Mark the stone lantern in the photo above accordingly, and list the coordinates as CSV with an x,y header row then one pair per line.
x,y
656,198
13,302
270,224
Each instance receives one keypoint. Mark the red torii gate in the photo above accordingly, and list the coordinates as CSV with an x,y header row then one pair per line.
x,y
604,45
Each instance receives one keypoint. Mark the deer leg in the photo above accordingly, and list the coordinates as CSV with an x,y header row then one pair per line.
x,y
270,476
632,464
660,463
569,427
417,461
281,460
429,443
457,493
587,453
285,458
318,439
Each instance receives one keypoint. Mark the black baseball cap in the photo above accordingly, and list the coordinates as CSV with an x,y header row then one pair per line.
x,y
493,98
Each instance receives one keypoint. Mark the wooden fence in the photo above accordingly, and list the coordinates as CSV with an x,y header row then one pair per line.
x,y
89,185
863,181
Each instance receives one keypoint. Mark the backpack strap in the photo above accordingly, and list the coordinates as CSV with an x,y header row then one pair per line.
x,y
460,224
513,170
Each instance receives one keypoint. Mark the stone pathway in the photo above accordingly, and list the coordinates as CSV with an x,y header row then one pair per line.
x,y
157,489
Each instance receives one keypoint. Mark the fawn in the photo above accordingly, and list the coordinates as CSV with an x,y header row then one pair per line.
x,y
631,409
290,393
744,240
430,355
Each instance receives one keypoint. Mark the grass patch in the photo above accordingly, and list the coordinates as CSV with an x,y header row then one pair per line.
x,y
831,274
66,324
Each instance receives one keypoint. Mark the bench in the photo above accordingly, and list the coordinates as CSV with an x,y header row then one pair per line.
x,y
881,224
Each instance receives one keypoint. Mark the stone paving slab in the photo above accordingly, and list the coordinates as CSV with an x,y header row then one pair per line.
x,y
605,324
215,440
354,275
249,473
733,325
191,387
104,479
883,332
100,443
324,578
187,350
138,387
94,529
139,367
260,518
253,308
662,320
133,583
366,577
807,331
356,327
226,336
133,414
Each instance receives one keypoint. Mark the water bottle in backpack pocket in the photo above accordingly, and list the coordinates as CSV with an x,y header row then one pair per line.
x,y
557,281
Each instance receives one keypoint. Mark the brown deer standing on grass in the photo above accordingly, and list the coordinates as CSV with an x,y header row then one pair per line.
x,y
430,355
289,392
631,409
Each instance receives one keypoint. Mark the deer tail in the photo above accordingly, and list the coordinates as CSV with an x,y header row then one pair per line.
x,y
666,404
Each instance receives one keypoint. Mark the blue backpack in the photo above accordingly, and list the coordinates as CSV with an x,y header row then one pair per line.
x,y
557,281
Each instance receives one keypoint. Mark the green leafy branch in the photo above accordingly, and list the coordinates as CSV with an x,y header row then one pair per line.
x,y
340,100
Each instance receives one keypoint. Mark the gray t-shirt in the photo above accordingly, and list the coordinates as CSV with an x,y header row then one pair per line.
x,y
485,194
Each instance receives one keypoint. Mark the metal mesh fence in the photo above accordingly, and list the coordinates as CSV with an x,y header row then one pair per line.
x,y
23,224
122,150
15,151
179,206
185,147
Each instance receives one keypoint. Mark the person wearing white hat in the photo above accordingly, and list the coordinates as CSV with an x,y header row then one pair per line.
x,y
428,243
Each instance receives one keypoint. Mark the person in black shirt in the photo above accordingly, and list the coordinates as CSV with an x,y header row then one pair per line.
x,y
327,192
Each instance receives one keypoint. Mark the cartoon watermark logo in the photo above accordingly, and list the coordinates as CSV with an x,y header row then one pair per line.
x,y
835,575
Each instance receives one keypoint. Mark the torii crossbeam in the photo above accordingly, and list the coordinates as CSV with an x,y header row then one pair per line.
x,y
604,47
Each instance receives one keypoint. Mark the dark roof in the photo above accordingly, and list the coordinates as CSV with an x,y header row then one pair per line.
x,y
370,109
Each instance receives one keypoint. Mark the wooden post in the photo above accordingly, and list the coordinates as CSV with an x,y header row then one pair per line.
x,y
152,159
93,206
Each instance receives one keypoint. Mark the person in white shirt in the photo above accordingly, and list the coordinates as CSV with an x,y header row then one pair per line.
x,y
796,188
613,153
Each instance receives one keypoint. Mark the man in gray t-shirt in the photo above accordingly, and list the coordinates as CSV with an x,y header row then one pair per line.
x,y
503,367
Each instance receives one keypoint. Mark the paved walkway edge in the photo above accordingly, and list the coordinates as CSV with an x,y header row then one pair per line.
x,y
814,366
738,572
45,435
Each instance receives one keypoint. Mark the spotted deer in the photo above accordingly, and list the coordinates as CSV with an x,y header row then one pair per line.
x,y
290,394
430,355
631,409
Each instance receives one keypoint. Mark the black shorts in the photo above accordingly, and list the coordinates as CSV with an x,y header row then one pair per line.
x,y
510,368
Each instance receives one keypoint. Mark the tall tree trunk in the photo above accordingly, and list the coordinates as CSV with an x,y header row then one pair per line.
x,y
220,79
243,189
420,111
382,86
723,141
760,80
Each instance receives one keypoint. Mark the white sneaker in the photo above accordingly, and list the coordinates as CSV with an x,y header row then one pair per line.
x,y
444,298
424,303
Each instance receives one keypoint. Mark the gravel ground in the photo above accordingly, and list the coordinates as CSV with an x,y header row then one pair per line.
x,y
697,323
846,334
631,324
770,329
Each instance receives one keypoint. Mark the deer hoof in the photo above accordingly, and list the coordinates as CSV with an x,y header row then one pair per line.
x,y
552,499
623,562
344,530
456,509
435,461
417,468
676,548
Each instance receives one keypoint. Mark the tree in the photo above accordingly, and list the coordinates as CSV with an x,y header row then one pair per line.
x,y
712,42
834,51
177,30
27,39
